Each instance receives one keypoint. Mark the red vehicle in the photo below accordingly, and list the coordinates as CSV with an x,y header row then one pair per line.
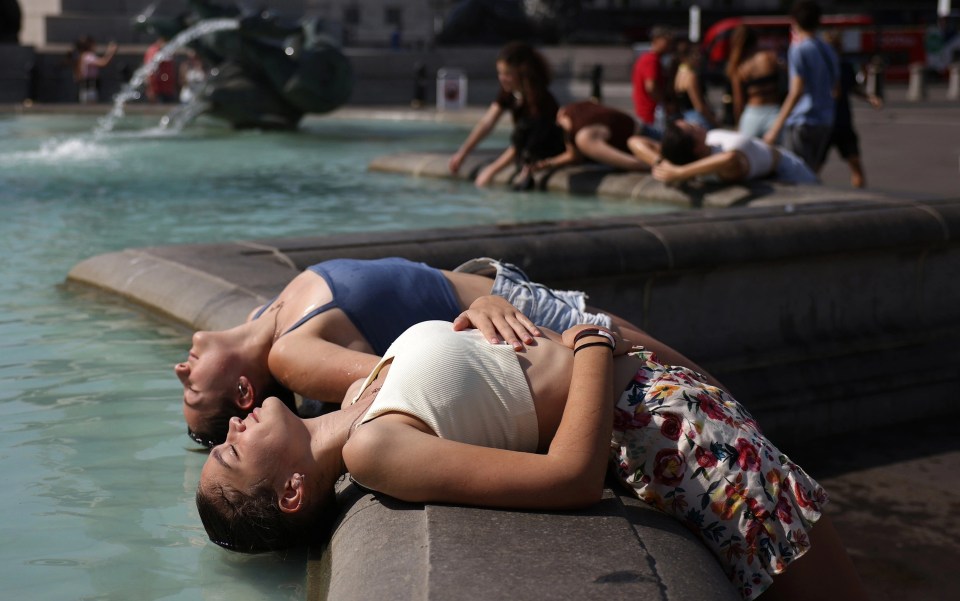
x,y
899,46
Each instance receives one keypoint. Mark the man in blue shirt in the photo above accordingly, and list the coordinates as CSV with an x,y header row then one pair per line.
x,y
807,114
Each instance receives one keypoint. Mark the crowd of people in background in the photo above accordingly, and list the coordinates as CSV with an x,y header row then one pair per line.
x,y
786,114
782,107
173,79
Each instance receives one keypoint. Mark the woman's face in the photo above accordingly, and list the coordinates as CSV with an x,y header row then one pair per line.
x,y
266,445
507,76
209,375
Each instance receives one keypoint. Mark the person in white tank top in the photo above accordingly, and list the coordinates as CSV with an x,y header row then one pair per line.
x,y
687,150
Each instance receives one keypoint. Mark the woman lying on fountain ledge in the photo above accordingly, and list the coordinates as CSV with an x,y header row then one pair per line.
x,y
687,150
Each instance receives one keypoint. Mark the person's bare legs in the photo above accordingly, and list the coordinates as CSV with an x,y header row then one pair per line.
x,y
592,142
824,573
857,178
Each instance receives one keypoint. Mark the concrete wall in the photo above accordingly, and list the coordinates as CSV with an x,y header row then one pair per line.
x,y
16,69
387,77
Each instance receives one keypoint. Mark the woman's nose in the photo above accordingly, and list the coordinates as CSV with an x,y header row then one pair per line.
x,y
236,425
182,370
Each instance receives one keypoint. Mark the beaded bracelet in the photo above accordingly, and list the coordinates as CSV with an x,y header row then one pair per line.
x,y
595,332
589,344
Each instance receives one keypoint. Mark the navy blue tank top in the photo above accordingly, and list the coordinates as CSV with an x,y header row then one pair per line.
x,y
383,297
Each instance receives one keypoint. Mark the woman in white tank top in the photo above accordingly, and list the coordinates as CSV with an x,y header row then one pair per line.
x,y
687,150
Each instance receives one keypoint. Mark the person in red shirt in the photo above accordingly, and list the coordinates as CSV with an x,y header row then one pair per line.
x,y
648,78
162,83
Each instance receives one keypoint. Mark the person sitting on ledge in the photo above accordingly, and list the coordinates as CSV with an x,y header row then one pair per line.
x,y
597,132
688,150
332,322
524,77
446,417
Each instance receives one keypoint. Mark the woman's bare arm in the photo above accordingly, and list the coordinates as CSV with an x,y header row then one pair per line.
x,y
699,103
569,156
793,96
103,61
736,88
645,149
487,174
729,166
480,131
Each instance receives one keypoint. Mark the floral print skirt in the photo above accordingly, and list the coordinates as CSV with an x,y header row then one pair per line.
x,y
691,450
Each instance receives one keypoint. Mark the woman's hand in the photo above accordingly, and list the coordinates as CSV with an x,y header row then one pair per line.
x,y
498,321
542,164
485,176
665,171
455,161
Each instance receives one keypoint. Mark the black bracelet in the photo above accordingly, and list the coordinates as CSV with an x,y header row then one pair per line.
x,y
595,332
589,344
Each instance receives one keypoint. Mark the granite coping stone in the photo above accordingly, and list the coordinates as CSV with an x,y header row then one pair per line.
x,y
600,180
619,549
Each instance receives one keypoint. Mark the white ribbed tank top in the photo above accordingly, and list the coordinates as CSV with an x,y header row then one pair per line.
x,y
460,385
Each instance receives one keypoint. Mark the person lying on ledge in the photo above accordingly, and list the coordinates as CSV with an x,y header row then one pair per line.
x,y
597,132
330,325
446,417
688,150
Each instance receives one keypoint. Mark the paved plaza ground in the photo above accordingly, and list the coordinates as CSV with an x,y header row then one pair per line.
x,y
909,149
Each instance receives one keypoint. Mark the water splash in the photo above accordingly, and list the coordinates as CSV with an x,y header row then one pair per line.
x,y
180,116
131,90
59,151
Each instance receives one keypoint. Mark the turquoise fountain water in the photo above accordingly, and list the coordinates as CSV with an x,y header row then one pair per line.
x,y
98,473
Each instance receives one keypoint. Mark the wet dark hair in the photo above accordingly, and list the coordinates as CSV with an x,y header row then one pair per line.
x,y
214,431
254,522
676,145
533,73
807,14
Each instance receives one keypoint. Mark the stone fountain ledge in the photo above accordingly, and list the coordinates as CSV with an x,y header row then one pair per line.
x,y
823,318
600,180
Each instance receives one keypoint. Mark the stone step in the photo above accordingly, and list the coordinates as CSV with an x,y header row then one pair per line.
x,y
66,29
119,7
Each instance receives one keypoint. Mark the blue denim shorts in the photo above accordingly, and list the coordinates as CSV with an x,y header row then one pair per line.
x,y
791,169
548,308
